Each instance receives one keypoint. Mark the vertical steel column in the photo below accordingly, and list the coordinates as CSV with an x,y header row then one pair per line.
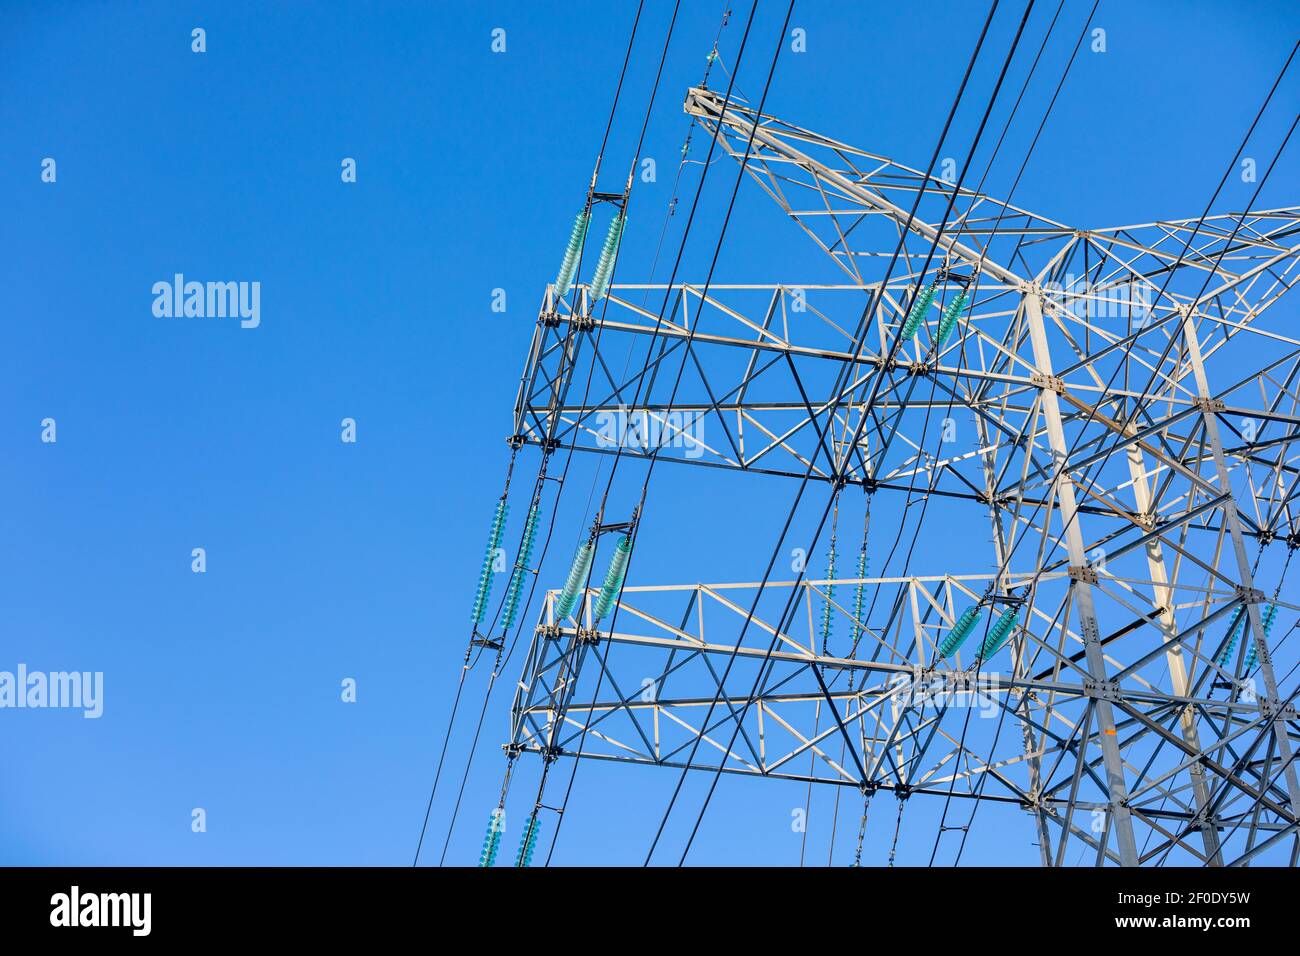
x,y
1269,700
1121,817
1163,596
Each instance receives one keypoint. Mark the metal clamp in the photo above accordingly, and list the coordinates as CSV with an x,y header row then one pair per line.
x,y
1048,381
1083,573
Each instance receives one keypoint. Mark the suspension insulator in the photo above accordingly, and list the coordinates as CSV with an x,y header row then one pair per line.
x,y
997,636
1226,654
608,253
485,575
528,842
573,584
521,568
491,842
919,308
859,597
960,631
569,265
1267,623
613,579
828,609
950,316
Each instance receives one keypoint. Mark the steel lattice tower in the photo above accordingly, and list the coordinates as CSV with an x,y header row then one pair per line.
x,y
1124,487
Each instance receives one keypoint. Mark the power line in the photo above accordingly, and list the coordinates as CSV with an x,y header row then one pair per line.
x,y
635,526
858,340
1158,364
618,90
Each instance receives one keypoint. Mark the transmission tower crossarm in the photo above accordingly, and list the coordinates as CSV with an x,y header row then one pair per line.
x,y
705,105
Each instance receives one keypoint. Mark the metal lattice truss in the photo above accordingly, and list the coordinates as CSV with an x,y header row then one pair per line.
x,y
1026,735
1120,477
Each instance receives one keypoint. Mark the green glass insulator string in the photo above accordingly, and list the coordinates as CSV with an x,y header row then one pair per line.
x,y
1251,656
609,591
828,608
950,316
1269,615
528,842
574,583
1002,629
489,560
569,265
919,308
608,253
1240,619
492,841
859,596
860,592
1233,631
521,568
960,631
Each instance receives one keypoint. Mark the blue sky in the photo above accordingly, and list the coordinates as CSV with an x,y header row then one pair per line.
x,y
328,560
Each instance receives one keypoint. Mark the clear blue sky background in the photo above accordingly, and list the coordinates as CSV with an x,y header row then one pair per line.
x,y
328,560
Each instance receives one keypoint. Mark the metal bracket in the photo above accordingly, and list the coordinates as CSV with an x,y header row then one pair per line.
x,y
1251,595
1083,573
1101,689
946,275
1048,381
1210,404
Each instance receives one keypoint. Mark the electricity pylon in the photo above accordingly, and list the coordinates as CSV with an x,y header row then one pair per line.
x,y
1133,400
